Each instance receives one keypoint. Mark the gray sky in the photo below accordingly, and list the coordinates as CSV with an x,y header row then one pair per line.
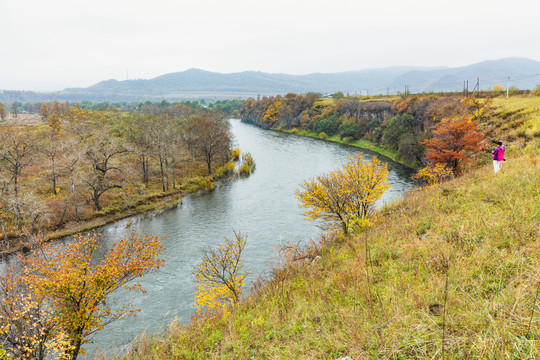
x,y
54,44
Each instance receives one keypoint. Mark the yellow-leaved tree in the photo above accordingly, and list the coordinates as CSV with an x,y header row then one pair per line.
x,y
219,277
54,298
347,195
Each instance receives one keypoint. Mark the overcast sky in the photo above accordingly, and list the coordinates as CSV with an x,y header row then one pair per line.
x,y
54,44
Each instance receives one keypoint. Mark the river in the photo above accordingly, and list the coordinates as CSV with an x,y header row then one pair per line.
x,y
263,206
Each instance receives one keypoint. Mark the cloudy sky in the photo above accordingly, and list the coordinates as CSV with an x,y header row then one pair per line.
x,y
54,44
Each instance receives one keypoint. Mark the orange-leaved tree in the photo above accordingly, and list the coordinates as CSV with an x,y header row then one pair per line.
x,y
52,300
219,276
453,142
347,195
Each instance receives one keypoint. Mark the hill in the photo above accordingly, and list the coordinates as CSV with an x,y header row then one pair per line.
x,y
374,81
200,84
450,272
454,264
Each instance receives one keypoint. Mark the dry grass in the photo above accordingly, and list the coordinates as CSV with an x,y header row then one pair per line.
x,y
22,120
382,294
517,120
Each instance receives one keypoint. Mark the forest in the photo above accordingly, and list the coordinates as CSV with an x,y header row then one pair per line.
x,y
401,124
77,165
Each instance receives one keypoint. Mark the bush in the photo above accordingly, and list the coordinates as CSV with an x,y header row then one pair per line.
x,y
225,170
235,154
248,164
348,139
322,135
206,184
349,129
294,131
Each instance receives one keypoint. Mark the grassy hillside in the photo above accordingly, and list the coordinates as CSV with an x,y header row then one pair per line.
x,y
479,232
517,120
450,271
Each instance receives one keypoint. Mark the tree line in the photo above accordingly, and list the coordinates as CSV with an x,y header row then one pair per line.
x,y
87,163
402,124
44,109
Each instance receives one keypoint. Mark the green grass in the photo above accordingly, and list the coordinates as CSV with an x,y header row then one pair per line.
x,y
482,229
364,144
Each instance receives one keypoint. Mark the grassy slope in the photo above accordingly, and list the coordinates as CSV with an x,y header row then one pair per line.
x,y
482,230
391,306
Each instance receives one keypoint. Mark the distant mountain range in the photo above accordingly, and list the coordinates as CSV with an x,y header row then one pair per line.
x,y
199,84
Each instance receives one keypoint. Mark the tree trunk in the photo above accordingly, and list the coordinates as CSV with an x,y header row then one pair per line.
x,y
162,174
4,233
54,176
74,196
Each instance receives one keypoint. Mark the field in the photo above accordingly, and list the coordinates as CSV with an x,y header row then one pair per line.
x,y
22,120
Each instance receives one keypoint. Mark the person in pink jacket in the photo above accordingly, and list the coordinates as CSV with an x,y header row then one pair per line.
x,y
498,156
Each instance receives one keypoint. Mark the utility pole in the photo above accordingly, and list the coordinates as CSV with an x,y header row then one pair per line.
x,y
507,88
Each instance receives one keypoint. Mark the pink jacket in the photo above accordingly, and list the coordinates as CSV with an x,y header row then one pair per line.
x,y
498,153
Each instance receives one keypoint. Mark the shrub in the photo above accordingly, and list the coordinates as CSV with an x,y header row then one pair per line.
x,y
235,154
433,174
536,91
248,164
294,131
207,184
224,170
322,135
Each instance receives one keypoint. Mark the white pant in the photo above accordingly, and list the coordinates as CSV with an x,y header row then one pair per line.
x,y
497,165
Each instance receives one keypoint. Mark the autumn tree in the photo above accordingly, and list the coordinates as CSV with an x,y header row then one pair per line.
x,y
208,136
219,277
477,107
453,142
100,151
52,300
16,151
15,109
48,145
3,113
56,108
45,111
167,141
71,155
137,129
433,174
345,195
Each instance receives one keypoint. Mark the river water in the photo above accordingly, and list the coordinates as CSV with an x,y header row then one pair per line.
x,y
263,206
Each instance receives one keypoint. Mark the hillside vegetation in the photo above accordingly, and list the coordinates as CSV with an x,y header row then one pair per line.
x,y
460,259
450,271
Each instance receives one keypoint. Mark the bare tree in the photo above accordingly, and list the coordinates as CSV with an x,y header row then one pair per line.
x,y
48,145
71,155
3,112
100,150
208,136
138,132
16,152
15,109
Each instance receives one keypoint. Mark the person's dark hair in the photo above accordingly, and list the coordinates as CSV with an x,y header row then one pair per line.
x,y
499,142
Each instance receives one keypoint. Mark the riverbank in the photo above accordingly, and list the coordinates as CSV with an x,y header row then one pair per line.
x,y
152,205
449,271
362,144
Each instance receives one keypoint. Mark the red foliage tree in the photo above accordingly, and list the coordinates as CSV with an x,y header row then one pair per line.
x,y
453,141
